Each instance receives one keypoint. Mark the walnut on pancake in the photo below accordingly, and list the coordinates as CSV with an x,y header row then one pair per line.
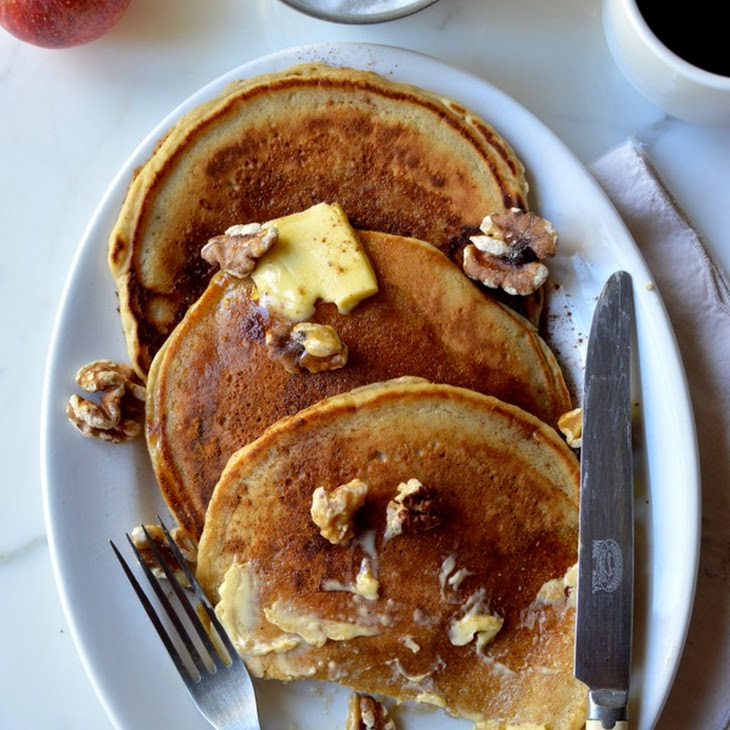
x,y
239,248
333,512
509,253
119,412
414,508
306,346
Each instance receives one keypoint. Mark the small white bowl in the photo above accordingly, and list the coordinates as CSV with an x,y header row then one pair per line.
x,y
674,85
358,11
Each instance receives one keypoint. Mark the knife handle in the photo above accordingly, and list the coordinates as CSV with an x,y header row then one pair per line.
x,y
598,725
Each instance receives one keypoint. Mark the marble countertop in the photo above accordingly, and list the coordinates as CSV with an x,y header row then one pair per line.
x,y
69,120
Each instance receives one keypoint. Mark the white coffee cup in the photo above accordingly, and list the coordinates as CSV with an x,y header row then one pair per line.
x,y
674,85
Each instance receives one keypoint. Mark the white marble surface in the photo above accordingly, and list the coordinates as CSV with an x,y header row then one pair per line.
x,y
69,119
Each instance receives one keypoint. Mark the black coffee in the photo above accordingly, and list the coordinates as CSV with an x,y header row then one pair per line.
x,y
694,31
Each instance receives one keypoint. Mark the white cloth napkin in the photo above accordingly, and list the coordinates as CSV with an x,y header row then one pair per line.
x,y
697,297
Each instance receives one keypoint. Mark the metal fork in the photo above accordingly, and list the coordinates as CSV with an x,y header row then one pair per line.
x,y
215,674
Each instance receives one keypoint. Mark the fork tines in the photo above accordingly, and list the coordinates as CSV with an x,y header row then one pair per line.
x,y
214,673
213,650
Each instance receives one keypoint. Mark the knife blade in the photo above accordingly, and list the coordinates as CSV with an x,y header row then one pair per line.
x,y
606,534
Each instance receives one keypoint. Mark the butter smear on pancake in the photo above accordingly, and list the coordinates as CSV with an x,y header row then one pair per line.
x,y
317,257
238,611
475,622
365,585
314,629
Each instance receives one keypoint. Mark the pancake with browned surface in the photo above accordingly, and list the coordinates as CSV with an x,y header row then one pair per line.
x,y
448,578
397,158
213,387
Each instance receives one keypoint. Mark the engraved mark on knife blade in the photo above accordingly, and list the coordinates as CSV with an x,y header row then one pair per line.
x,y
608,566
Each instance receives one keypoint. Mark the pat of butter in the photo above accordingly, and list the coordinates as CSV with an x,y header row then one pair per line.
x,y
317,257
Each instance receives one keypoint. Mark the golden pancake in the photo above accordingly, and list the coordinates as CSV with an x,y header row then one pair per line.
x,y
213,387
397,158
448,576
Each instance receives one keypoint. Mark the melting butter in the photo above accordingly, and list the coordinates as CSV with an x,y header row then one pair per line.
x,y
238,602
237,610
484,626
559,590
475,622
318,257
313,629
366,584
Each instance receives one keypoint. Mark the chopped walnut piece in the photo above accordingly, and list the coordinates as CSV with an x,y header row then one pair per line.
x,y
306,347
366,713
118,415
413,509
185,542
571,426
238,249
509,253
334,512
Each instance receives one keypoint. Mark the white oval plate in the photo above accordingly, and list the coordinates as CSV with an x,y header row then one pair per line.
x,y
94,491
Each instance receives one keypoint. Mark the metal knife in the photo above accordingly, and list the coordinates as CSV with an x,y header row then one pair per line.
x,y
606,539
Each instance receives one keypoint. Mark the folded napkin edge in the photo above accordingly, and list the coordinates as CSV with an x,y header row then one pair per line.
x,y
715,278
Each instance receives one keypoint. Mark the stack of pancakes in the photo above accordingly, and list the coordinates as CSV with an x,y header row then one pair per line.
x,y
239,444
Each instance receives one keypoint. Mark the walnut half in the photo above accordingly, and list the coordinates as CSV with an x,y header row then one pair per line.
x,y
306,347
413,509
238,249
334,512
366,713
509,254
118,415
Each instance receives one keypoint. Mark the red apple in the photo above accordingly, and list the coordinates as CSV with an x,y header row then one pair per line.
x,y
60,23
